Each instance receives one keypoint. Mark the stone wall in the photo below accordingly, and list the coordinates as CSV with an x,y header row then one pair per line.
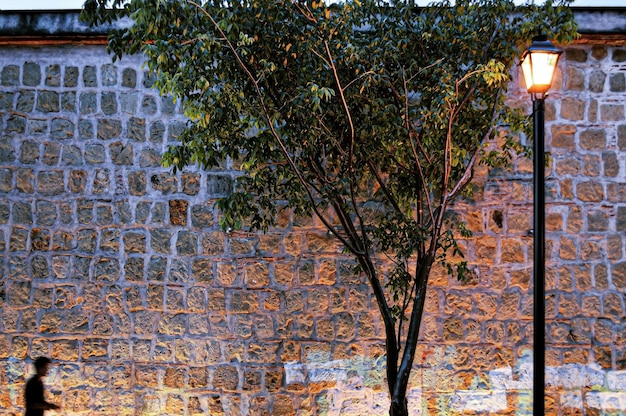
x,y
116,268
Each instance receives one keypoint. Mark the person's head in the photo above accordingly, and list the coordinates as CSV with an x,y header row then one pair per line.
x,y
41,366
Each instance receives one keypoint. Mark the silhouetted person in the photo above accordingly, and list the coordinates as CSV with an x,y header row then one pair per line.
x,y
36,404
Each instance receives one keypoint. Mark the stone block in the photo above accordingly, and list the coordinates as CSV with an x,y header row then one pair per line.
x,y
4,213
168,106
51,153
590,191
617,82
129,78
48,101
50,183
175,377
109,129
137,129
6,100
25,181
603,356
37,127
619,55
174,130
85,130
198,377
593,139
257,276
77,322
144,322
15,124
160,240
149,105
62,129
599,52
108,74
573,109
610,164
612,112
157,267
122,153
108,103
178,211
174,301
70,77
575,79
10,75
32,74
612,304
53,75
165,183
597,80
563,136
202,216
137,183
134,242
218,185
149,78
71,156
190,183
597,221
576,55
243,302
88,103
157,132
104,214
90,76
107,269
225,377
25,101
158,213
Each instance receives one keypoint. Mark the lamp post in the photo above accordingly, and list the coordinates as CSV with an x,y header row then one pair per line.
x,y
538,66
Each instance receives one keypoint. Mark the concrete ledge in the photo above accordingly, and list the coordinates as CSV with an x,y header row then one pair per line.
x,y
52,27
601,20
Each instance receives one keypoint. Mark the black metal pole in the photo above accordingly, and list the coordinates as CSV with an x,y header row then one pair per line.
x,y
539,261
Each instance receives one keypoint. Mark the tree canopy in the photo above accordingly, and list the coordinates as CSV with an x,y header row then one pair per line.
x,y
369,114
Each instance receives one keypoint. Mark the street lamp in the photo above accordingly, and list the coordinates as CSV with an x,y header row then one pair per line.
x,y
538,65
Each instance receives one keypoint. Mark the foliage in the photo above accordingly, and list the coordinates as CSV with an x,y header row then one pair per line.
x,y
369,114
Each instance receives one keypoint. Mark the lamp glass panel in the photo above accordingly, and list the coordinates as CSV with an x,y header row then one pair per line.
x,y
543,65
538,69
527,71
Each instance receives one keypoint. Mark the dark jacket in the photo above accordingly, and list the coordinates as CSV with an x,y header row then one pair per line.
x,y
34,395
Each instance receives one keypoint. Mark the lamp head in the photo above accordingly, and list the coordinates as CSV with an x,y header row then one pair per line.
x,y
539,66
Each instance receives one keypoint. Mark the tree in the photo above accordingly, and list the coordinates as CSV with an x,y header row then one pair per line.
x,y
369,114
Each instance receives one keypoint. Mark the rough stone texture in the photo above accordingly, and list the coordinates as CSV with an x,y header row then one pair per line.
x,y
117,269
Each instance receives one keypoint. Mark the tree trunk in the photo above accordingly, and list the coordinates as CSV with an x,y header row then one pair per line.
x,y
399,408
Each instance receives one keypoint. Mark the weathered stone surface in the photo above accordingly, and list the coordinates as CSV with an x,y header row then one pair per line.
x,y
32,74
117,268
121,153
617,82
109,129
573,109
108,103
10,75
25,101
88,103
129,78
612,112
597,80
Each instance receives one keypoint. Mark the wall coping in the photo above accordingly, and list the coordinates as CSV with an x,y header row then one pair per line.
x,y
603,24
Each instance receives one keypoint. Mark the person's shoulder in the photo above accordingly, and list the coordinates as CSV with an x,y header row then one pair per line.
x,y
32,380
